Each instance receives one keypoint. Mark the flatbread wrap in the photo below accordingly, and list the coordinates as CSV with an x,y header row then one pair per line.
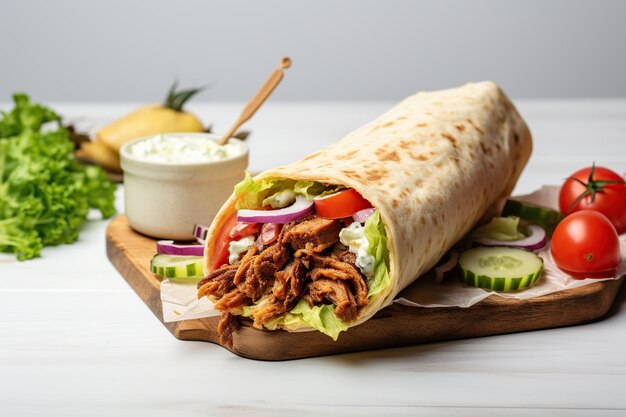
x,y
430,168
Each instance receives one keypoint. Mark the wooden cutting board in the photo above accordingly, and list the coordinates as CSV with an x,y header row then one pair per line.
x,y
393,326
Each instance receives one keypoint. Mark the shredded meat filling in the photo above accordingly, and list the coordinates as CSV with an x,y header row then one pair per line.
x,y
269,309
260,274
306,262
316,233
233,302
289,282
347,257
226,327
329,267
218,282
244,266
337,292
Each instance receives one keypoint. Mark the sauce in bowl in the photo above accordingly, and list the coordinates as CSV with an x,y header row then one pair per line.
x,y
178,149
173,181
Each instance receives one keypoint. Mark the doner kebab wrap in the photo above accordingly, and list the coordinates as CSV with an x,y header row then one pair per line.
x,y
327,241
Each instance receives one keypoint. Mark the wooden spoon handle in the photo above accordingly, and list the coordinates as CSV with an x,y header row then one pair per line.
x,y
259,98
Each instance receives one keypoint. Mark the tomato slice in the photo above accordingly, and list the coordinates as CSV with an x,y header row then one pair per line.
x,y
340,205
243,229
220,250
270,232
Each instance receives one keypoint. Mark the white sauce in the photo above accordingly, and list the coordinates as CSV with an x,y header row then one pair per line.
x,y
280,199
176,149
354,238
237,247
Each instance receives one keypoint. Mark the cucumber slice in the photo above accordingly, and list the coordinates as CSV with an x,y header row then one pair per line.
x,y
543,216
500,268
172,266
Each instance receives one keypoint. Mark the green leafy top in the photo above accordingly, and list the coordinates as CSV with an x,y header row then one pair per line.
x,y
176,99
592,187
45,195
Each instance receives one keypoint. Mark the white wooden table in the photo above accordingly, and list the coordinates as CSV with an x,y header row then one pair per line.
x,y
75,340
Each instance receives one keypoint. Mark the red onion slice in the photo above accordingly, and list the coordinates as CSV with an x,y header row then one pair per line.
x,y
535,241
361,216
299,209
168,247
440,270
200,232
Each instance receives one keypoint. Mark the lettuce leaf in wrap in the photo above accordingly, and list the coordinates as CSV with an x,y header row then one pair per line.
x,y
251,193
377,239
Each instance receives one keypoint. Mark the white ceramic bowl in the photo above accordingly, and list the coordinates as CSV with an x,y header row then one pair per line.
x,y
165,200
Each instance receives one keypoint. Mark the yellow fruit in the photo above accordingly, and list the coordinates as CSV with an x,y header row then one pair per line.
x,y
146,121
153,120
100,154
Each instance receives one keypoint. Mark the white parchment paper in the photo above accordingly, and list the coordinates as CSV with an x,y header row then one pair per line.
x,y
181,303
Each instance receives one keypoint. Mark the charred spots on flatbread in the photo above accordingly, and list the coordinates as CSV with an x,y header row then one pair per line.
x,y
454,141
455,159
312,156
352,174
347,155
419,157
387,155
423,124
478,129
375,175
460,127
405,144
383,125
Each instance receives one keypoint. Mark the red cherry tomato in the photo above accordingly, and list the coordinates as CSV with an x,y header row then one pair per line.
x,y
242,229
219,256
585,244
589,189
270,232
339,205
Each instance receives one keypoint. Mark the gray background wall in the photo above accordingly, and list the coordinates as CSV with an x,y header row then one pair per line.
x,y
114,50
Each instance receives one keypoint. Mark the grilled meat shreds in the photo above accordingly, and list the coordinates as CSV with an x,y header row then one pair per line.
x,y
347,257
289,282
260,274
226,327
233,302
267,310
244,265
218,282
316,233
337,292
328,267
306,262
